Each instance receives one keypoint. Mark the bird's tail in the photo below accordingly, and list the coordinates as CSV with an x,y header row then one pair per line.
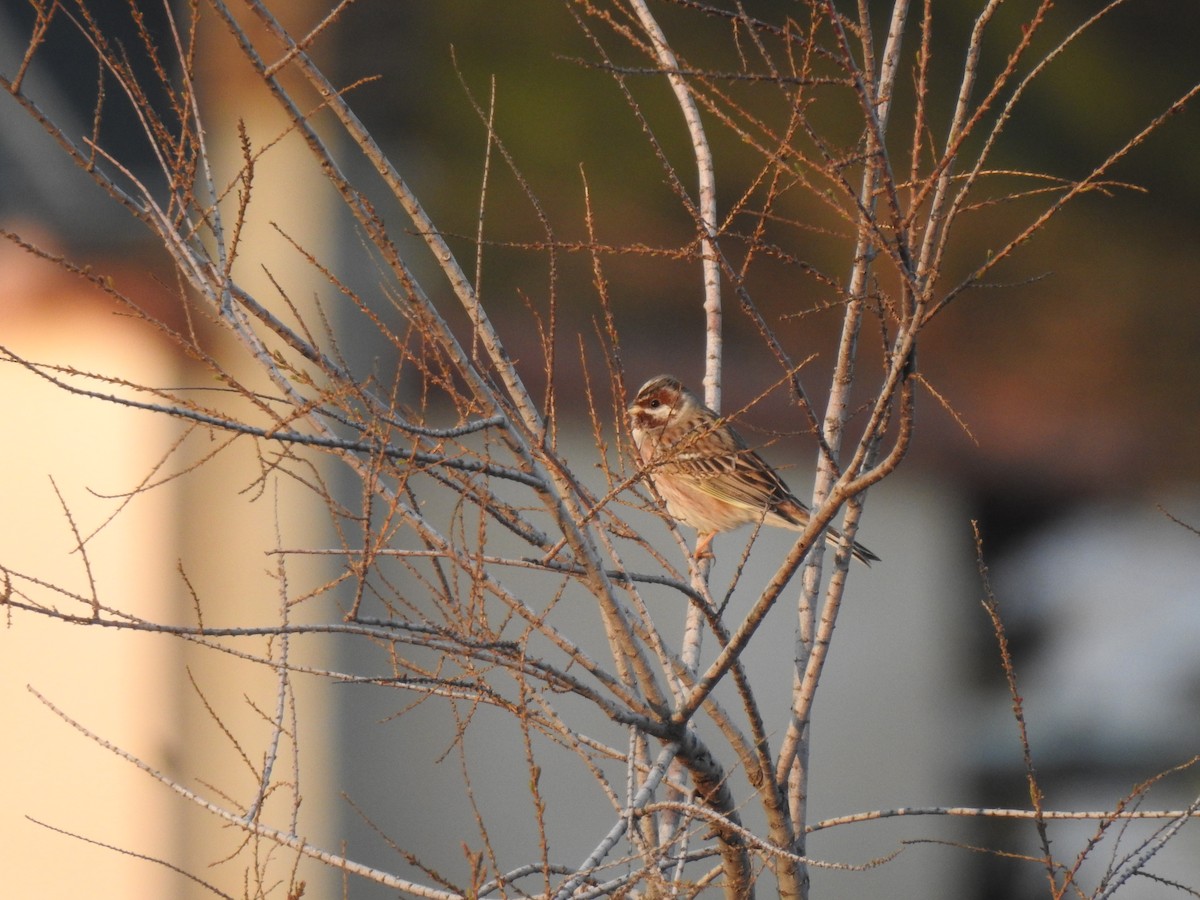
x,y
861,553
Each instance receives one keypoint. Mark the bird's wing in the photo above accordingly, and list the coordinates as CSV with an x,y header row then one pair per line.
x,y
740,476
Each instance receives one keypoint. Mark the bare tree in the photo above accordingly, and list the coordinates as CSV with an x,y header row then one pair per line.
x,y
470,542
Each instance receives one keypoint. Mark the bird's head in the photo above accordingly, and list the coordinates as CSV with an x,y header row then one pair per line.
x,y
661,401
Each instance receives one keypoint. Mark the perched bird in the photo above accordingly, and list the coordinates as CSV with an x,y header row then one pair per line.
x,y
704,471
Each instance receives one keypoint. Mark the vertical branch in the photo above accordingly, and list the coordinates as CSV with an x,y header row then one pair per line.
x,y
1036,796
707,205
933,228
283,692
483,192
812,641
693,628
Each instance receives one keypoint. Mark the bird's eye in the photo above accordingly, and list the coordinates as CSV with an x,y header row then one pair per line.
x,y
655,403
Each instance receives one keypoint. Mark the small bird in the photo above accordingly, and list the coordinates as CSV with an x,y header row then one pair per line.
x,y
703,470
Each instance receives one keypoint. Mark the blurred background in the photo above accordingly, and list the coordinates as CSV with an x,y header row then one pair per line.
x,y
1075,380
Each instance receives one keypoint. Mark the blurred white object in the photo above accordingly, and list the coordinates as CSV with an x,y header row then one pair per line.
x,y
1112,594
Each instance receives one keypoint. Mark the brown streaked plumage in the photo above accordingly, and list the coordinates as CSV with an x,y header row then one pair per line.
x,y
705,473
